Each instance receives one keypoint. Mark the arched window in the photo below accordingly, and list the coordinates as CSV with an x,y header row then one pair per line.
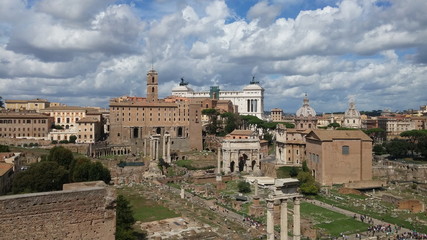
x,y
152,79
152,89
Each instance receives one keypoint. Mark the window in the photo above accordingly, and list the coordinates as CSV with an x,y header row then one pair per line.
x,y
345,150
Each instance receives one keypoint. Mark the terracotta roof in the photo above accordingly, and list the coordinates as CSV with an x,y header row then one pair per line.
x,y
64,108
242,132
329,135
88,120
5,167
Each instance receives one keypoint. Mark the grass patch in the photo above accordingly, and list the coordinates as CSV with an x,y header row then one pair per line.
x,y
332,222
146,210
284,172
188,164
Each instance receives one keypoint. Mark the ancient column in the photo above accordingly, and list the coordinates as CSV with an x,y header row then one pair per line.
x,y
256,188
182,193
270,220
169,149
151,149
157,149
284,220
297,223
219,161
164,148
145,147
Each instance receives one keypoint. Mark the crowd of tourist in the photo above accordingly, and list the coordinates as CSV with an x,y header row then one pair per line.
x,y
411,235
251,222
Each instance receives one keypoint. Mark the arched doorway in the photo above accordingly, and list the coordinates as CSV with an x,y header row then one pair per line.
x,y
242,162
158,130
232,166
135,132
179,132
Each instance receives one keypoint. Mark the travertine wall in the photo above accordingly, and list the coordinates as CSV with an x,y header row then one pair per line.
x,y
82,213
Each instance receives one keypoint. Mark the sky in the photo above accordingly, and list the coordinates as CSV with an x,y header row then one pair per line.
x,y
85,52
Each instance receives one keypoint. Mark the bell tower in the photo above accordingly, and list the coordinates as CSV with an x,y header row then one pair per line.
x,y
152,86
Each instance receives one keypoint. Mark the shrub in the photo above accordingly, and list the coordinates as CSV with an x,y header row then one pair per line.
x,y
244,187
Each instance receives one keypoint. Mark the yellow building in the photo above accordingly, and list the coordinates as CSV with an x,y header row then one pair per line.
x,y
24,125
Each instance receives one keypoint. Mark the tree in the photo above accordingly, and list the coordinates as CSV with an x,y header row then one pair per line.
x,y
72,139
378,149
4,148
375,133
293,172
397,148
308,184
83,170
40,177
61,155
232,121
334,125
212,127
1,102
413,137
124,219
244,187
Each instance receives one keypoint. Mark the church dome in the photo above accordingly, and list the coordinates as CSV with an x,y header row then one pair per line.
x,y
306,110
352,112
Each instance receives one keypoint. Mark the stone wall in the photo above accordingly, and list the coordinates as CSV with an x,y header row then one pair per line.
x,y
395,171
84,212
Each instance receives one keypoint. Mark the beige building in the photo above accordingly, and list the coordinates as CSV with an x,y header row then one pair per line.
x,y
394,126
339,156
240,152
89,130
24,125
276,115
290,146
27,105
156,126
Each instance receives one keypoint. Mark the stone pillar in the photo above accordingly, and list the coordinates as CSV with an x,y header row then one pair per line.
x,y
182,193
270,220
297,222
151,149
164,148
169,149
284,220
157,149
145,147
256,188
219,161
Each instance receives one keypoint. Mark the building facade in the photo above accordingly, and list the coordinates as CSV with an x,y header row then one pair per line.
x,y
305,116
155,126
25,125
339,156
276,115
249,101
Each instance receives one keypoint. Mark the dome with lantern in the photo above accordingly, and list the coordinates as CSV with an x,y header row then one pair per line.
x,y
306,110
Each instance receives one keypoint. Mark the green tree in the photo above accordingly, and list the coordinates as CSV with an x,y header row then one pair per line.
x,y
378,149
4,148
334,125
1,102
212,127
61,155
232,121
293,172
375,133
244,187
397,148
72,139
83,170
40,177
308,184
124,219
413,137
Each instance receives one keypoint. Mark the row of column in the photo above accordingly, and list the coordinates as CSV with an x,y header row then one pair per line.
x,y
252,105
283,219
154,147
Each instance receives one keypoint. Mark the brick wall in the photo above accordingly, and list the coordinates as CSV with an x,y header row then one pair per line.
x,y
85,213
